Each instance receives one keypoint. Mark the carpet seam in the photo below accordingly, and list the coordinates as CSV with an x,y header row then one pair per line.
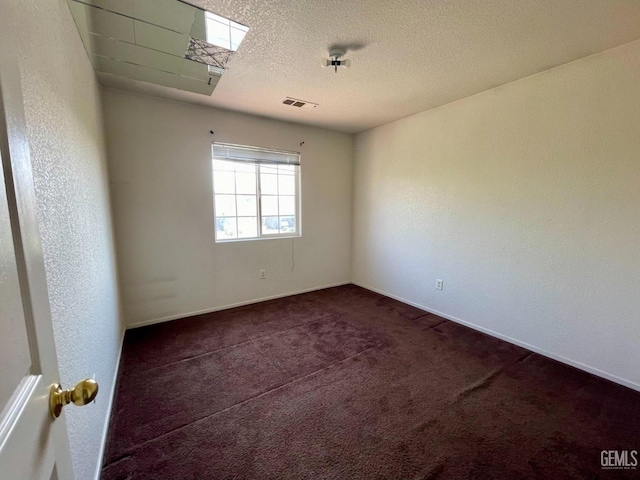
x,y
131,451
231,346
524,357
423,315
486,381
433,326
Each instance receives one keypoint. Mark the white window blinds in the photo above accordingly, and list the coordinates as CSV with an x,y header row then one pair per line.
x,y
239,153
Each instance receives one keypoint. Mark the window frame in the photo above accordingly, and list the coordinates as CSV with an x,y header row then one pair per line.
x,y
297,173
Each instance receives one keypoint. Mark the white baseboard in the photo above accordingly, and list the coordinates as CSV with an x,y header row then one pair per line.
x,y
231,305
533,348
105,430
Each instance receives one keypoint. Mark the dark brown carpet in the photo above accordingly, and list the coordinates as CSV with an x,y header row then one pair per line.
x,y
344,383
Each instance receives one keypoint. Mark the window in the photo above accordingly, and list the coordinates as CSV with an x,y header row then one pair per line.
x,y
256,192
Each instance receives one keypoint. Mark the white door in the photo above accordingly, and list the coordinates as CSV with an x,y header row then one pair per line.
x,y
32,444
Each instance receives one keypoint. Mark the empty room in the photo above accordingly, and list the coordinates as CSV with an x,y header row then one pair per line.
x,y
246,239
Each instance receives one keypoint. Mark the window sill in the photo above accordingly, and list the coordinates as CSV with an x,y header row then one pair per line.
x,y
253,239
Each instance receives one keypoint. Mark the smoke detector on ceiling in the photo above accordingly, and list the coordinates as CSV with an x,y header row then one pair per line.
x,y
335,59
294,102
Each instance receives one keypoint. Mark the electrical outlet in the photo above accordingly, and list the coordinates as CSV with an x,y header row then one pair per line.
x,y
263,274
439,284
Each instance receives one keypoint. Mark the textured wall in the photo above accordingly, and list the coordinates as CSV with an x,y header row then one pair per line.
x,y
64,118
525,200
160,165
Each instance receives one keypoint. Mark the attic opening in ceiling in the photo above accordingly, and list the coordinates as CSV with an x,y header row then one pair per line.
x,y
164,42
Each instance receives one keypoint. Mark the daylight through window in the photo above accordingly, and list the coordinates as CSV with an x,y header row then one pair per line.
x,y
256,192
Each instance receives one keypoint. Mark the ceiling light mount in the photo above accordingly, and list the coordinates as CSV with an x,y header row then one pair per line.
x,y
335,59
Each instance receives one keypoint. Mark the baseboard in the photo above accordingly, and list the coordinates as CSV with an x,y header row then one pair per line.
x,y
105,430
231,305
533,348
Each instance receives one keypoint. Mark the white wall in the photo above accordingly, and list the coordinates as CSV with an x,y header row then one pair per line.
x,y
160,165
64,120
525,200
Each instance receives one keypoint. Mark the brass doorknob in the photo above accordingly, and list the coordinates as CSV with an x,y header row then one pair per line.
x,y
84,392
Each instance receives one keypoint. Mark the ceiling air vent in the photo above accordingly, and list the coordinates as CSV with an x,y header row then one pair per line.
x,y
294,102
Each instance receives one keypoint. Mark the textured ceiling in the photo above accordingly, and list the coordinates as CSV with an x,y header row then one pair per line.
x,y
409,56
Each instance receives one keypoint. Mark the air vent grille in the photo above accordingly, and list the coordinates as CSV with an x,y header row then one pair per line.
x,y
294,102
